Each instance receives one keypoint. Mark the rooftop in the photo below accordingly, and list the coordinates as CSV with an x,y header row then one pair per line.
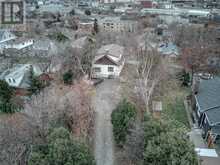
x,y
208,94
18,76
168,49
112,50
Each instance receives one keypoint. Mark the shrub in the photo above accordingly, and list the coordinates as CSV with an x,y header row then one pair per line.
x,y
68,77
61,149
58,36
124,113
185,79
72,12
87,12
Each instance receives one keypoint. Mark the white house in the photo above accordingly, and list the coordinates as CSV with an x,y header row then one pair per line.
x,y
5,36
18,76
20,43
108,62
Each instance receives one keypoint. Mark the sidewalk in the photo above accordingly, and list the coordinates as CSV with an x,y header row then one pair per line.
x,y
196,137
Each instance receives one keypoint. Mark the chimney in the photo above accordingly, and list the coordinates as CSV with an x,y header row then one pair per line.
x,y
106,51
196,83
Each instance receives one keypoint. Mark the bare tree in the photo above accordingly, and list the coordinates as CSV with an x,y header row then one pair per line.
x,y
198,49
150,71
15,138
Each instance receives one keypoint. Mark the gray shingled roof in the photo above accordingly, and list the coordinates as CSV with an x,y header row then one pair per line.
x,y
216,129
209,94
111,49
213,115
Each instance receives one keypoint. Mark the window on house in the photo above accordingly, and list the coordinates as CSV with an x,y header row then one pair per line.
x,y
13,80
9,80
97,69
110,69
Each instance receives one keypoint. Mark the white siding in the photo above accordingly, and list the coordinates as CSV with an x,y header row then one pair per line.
x,y
104,73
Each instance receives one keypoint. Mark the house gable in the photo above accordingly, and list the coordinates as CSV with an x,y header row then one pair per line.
x,y
105,60
6,36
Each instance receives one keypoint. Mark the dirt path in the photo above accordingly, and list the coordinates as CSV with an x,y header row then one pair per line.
x,y
105,100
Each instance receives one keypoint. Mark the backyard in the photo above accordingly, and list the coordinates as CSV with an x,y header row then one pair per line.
x,y
173,102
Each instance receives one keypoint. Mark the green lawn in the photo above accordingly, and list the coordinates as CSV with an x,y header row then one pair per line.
x,y
175,110
173,102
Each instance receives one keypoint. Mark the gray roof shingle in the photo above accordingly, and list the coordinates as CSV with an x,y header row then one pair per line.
x,y
213,115
111,49
209,94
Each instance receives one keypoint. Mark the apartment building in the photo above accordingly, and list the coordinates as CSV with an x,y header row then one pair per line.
x,y
116,24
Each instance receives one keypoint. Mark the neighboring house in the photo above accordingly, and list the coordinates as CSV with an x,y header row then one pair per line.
x,y
108,62
20,43
169,49
207,105
86,26
18,76
5,36
116,24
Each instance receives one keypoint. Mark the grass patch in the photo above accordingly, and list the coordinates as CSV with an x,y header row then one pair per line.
x,y
173,102
176,111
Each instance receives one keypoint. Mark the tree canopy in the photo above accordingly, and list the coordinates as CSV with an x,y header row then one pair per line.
x,y
6,94
35,84
165,145
96,27
61,149
124,113
87,12
68,77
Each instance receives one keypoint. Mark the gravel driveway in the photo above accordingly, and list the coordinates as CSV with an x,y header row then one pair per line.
x,y
104,101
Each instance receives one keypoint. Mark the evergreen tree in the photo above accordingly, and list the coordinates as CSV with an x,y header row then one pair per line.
x,y
124,113
164,144
35,83
61,149
6,94
72,12
96,27
87,12
68,77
